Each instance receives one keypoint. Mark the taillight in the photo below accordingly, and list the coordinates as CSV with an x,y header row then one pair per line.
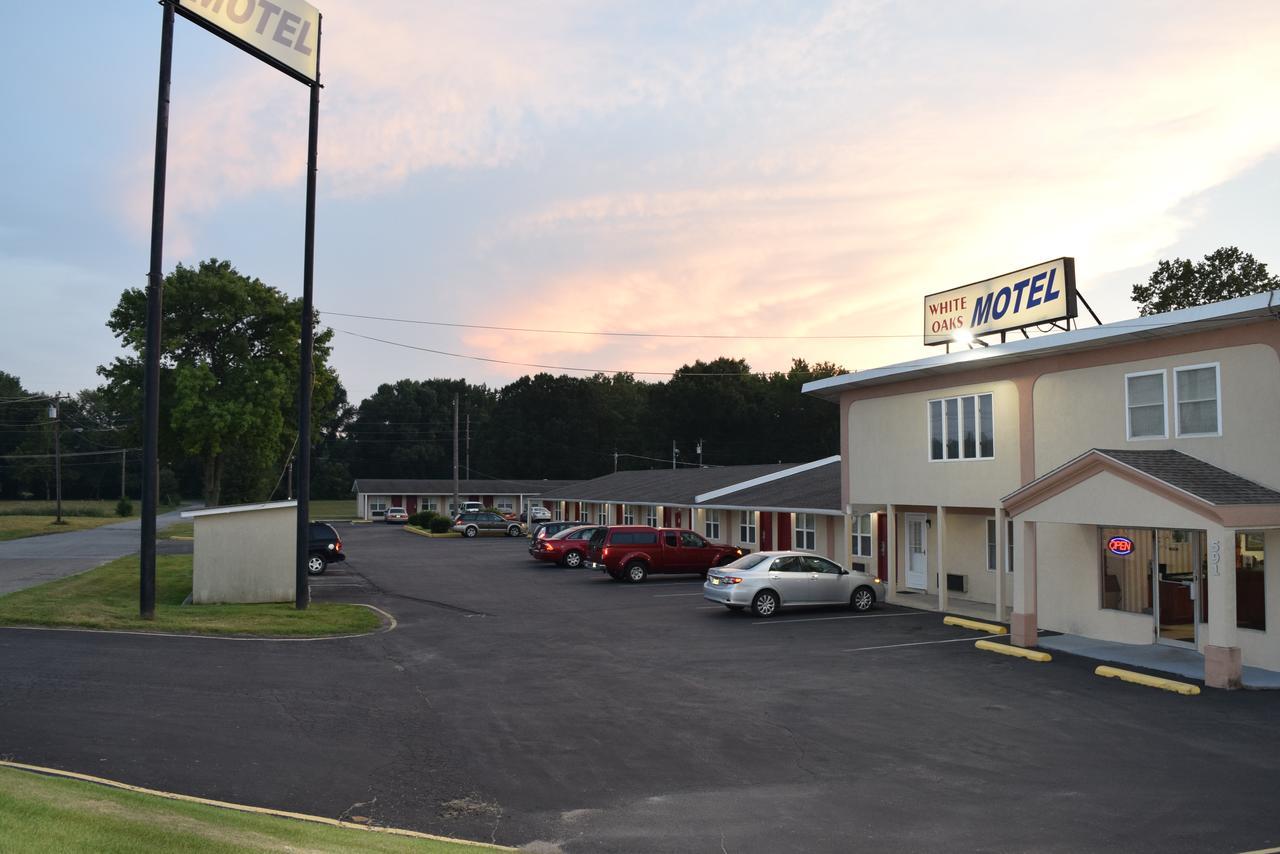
x,y
730,579
338,545
604,552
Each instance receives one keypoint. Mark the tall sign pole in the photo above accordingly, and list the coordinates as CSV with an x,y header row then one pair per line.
x,y
302,585
151,371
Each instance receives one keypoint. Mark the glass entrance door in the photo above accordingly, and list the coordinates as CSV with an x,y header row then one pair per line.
x,y
1180,558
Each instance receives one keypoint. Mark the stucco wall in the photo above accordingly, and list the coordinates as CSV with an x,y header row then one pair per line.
x,y
245,557
1082,409
889,452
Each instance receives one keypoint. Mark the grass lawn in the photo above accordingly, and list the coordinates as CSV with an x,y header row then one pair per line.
x,y
333,509
55,815
16,527
180,530
107,598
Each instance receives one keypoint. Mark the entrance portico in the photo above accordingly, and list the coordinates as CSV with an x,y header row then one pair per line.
x,y
1145,547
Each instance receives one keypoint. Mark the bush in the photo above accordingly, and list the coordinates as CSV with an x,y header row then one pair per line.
x,y
440,525
423,518
124,507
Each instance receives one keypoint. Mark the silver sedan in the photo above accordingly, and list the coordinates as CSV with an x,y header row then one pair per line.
x,y
767,581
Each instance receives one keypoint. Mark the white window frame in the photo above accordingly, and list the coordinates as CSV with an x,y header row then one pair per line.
x,y
804,538
859,533
583,516
747,526
504,504
378,504
711,524
628,514
977,439
651,515
1164,406
990,529
1217,388
602,514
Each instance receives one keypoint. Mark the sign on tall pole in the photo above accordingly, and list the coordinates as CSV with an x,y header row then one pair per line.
x,y
285,34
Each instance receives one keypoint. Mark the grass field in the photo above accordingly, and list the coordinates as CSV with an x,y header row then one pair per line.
x,y
179,530
14,527
69,508
54,815
107,598
333,509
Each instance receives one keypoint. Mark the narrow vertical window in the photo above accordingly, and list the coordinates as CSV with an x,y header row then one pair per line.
x,y
1144,398
935,430
952,407
969,427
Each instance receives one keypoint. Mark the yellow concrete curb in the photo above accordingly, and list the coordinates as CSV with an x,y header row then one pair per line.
x,y
179,538
1015,651
414,529
961,622
1160,682
192,799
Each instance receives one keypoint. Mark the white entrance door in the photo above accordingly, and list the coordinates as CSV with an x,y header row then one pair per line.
x,y
917,552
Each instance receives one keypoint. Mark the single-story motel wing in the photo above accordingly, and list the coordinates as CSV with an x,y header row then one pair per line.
x,y
375,495
1119,482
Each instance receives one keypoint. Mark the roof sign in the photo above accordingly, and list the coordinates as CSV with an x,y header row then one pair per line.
x,y
1043,293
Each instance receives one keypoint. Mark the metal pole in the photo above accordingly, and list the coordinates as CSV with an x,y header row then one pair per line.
x,y
673,453
457,507
122,452
57,452
302,588
151,372
289,481
468,467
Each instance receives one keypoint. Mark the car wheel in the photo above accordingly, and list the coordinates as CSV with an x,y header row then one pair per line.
x,y
316,565
573,560
765,604
513,531
470,531
862,599
637,572
734,608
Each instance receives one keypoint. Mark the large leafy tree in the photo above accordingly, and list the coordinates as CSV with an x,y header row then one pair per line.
x,y
229,366
1223,274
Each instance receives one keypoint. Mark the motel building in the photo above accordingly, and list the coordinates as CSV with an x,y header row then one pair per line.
x,y
375,495
1117,483
757,507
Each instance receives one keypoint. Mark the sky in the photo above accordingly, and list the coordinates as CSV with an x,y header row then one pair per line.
x,y
806,171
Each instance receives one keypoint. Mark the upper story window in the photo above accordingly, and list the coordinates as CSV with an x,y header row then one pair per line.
x,y
962,428
1197,401
1144,397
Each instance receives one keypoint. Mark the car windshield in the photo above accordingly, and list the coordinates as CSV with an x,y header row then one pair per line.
x,y
747,562
560,535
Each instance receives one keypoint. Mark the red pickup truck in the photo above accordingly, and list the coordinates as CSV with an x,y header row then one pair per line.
x,y
633,552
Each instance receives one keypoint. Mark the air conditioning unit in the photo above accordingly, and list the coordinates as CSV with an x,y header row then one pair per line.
x,y
957,583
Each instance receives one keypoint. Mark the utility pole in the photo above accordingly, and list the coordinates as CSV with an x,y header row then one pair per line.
x,y
700,453
674,452
468,467
289,483
457,508
615,460
122,453
55,415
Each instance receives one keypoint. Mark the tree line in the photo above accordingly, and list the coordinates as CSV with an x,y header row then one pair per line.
x,y
228,390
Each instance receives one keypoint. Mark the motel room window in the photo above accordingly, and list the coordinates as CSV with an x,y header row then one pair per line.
x,y
602,514
712,524
651,516
378,506
1251,600
962,428
628,514
1144,397
582,511
505,504
1127,555
747,526
806,531
862,535
992,545
1195,391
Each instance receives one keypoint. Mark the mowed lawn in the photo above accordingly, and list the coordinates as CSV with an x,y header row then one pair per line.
x,y
340,509
107,598
20,519
54,815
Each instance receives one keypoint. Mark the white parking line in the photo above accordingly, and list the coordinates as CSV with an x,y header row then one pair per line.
x,y
915,643
845,617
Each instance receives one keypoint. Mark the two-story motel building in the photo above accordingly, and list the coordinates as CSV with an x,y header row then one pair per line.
x,y
1120,482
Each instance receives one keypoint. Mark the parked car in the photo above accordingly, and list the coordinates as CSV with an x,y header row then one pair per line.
x,y
540,514
634,552
472,524
548,529
565,548
768,581
324,547
396,515
467,507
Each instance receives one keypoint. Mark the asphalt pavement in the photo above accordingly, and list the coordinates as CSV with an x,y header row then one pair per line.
x,y
557,709
35,560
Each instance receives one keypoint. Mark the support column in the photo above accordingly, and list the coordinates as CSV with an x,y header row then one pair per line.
x,y
845,554
940,528
1223,663
1002,561
1022,626
891,550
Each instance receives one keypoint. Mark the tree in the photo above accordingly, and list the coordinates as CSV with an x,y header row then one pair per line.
x,y
1223,274
229,369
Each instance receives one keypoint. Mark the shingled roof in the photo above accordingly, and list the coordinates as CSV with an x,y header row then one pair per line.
x,y
815,487
1204,481
677,487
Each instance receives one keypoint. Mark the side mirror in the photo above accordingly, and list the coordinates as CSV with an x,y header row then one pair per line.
x,y
844,571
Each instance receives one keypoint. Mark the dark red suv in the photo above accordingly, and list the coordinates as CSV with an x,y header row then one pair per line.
x,y
633,552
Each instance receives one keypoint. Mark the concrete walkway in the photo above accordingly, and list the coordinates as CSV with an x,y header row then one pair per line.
x,y
1152,656
35,560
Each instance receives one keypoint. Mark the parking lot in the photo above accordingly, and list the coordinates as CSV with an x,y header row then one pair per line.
x,y
521,702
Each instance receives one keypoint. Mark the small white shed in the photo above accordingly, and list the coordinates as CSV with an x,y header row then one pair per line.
x,y
244,553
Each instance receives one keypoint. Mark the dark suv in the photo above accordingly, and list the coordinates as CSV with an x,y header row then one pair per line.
x,y
634,552
324,547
